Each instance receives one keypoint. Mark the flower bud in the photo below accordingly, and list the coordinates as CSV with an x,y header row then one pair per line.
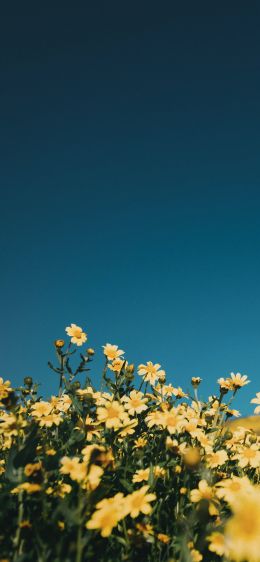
x,y
59,343
90,351
28,381
162,379
195,381
130,368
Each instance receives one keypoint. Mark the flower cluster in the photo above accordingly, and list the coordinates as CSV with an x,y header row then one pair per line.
x,y
130,468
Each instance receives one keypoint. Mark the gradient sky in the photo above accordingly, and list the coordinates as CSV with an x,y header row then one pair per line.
x,y
130,185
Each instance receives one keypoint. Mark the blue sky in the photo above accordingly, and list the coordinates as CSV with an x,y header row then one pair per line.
x,y
130,186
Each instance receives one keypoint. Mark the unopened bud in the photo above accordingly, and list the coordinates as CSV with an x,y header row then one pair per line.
x,y
28,381
130,368
195,381
162,379
90,351
59,343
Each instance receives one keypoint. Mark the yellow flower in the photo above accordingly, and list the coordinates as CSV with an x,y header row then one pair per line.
x,y
28,487
230,488
128,427
135,403
238,380
151,372
76,334
140,443
49,421
50,452
159,471
195,555
112,352
248,456
171,420
255,400
74,468
5,388
154,418
93,477
111,414
141,475
139,502
225,384
204,492
242,531
31,468
217,458
40,409
108,513
217,543
117,365
163,538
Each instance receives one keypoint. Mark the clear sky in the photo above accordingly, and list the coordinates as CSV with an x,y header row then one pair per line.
x,y
130,185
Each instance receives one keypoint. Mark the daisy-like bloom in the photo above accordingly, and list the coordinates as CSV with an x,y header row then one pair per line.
x,y
135,403
231,488
242,531
217,543
62,403
159,471
112,352
195,381
141,475
237,380
40,409
217,458
140,502
191,455
91,452
150,372
31,468
195,555
50,420
204,441
140,443
128,427
172,421
154,418
93,478
204,492
111,414
191,427
163,538
28,487
255,400
117,365
74,468
248,456
91,428
107,515
5,388
225,384
76,334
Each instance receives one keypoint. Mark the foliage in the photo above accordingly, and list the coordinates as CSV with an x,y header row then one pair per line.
x,y
123,474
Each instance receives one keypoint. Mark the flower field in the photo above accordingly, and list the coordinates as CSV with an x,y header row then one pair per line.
x,y
136,469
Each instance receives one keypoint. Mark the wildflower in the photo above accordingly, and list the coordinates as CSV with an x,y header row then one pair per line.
x,y
225,384
195,555
50,420
195,381
107,515
141,475
116,365
28,487
230,488
159,471
242,531
171,420
127,427
112,352
154,418
74,468
191,456
248,456
59,343
238,380
217,543
163,538
135,403
139,502
111,414
5,388
76,334
151,372
217,458
204,492
93,478
40,409
140,443
31,468
255,400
